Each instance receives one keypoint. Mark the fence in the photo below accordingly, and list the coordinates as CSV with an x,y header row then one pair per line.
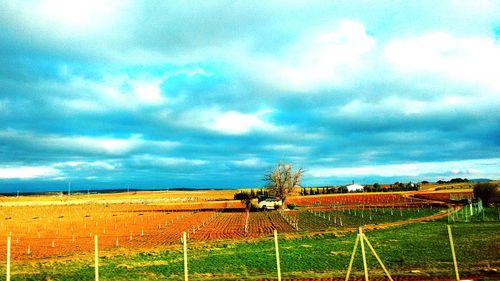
x,y
473,212
361,239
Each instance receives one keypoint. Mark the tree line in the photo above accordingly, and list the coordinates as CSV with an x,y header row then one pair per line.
x,y
455,180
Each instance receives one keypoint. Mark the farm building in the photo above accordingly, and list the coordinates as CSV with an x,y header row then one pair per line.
x,y
354,187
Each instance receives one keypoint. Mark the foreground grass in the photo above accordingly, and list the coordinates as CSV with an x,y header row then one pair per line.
x,y
417,249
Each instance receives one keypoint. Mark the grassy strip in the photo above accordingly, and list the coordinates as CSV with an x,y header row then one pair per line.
x,y
359,217
415,249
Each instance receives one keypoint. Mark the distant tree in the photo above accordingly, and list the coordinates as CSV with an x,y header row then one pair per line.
x,y
323,191
425,182
282,180
376,186
252,193
242,195
486,191
458,180
311,192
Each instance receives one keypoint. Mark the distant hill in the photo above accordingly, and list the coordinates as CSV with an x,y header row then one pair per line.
x,y
479,180
93,191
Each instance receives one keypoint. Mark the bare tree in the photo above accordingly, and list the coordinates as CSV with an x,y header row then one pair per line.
x,y
282,180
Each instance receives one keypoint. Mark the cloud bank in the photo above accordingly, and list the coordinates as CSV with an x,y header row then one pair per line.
x,y
213,94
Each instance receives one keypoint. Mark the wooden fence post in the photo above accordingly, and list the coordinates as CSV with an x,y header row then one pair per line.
x,y
453,253
365,266
184,248
352,258
277,254
96,257
8,259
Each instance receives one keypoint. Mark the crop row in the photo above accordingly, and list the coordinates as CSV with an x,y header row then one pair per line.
x,y
321,219
445,196
350,199
49,231
54,231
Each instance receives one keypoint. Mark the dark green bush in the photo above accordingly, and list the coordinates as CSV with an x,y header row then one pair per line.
x,y
486,191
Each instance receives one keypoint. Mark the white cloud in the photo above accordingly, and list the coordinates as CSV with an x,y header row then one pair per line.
x,y
27,172
167,161
227,122
473,60
77,94
78,165
191,72
408,105
391,104
149,93
112,91
468,168
236,123
83,105
98,144
288,148
249,163
76,14
319,59
108,145
66,18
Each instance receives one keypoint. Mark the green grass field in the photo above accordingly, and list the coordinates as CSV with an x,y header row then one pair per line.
x,y
415,249
359,217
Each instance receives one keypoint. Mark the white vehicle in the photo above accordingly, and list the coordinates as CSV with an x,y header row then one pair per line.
x,y
270,204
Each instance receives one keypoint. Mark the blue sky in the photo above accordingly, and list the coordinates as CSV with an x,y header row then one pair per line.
x,y
215,93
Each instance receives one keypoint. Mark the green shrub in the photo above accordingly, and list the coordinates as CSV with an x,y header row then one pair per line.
x,y
486,191
291,206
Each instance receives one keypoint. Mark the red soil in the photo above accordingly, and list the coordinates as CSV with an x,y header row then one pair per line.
x,y
353,199
63,230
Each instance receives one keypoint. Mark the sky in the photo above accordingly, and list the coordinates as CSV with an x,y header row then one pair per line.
x,y
214,94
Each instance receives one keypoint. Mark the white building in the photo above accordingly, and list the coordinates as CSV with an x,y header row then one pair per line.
x,y
354,187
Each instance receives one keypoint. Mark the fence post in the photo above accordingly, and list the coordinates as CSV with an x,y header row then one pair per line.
x,y
352,257
277,254
184,249
96,257
453,253
8,259
365,266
